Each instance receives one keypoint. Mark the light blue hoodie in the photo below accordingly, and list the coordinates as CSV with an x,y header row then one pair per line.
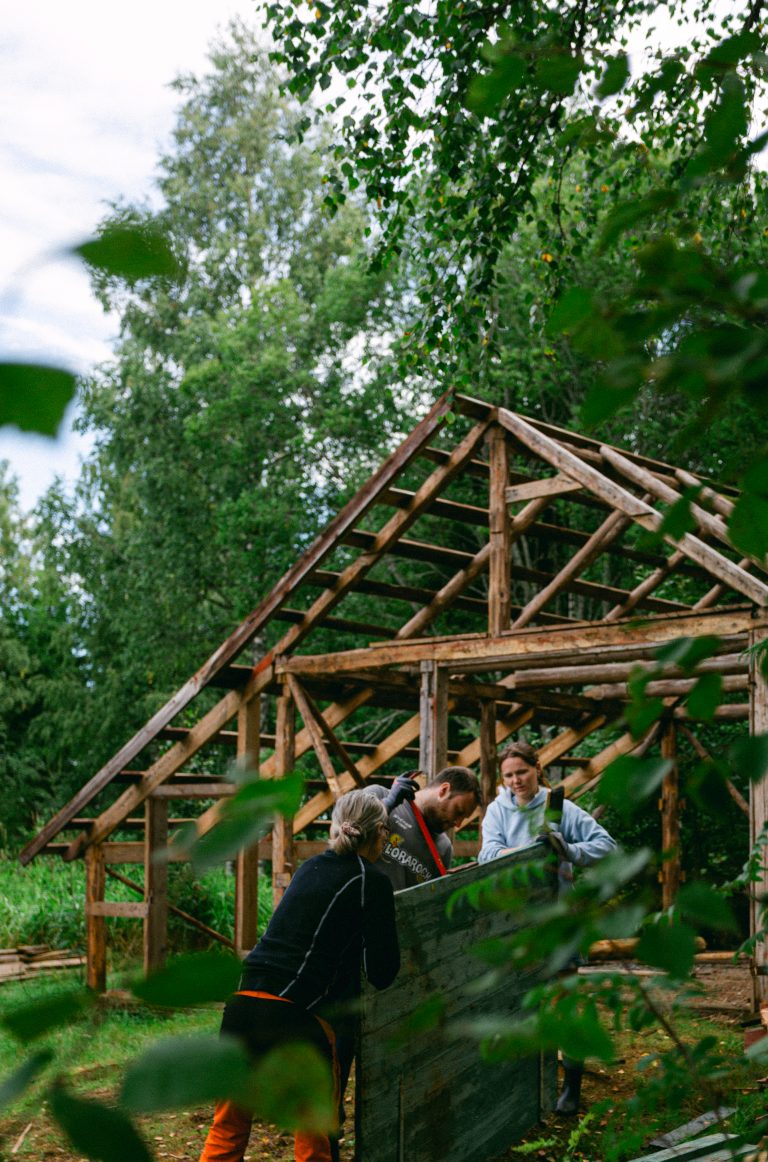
x,y
507,825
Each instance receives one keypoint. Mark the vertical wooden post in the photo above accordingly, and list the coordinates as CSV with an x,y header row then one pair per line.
x,y
670,821
758,818
283,850
433,711
488,753
499,565
155,884
247,863
95,926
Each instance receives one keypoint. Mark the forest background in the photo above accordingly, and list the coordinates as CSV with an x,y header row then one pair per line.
x,y
394,201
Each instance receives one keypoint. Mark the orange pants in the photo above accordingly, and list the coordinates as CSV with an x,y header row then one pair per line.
x,y
228,1136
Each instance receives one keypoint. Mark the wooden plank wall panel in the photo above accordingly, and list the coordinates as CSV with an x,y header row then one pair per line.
x,y
427,1094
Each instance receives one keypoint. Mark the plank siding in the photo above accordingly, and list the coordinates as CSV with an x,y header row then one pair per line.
x,y
426,1093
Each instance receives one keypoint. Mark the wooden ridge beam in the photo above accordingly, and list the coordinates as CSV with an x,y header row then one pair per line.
x,y
636,508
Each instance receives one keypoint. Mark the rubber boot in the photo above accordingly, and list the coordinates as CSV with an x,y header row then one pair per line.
x,y
568,1101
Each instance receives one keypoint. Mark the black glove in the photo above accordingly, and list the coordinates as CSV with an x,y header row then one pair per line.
x,y
403,788
555,840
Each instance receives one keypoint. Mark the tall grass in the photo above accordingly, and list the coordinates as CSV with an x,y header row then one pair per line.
x,y
44,903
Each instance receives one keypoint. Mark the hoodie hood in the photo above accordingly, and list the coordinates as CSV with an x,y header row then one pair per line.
x,y
506,799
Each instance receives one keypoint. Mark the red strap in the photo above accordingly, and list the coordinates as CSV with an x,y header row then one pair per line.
x,y
441,868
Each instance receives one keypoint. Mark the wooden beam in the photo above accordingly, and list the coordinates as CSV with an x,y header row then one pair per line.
x,y
590,773
247,860
155,885
669,805
118,910
387,536
499,538
551,486
185,916
704,754
645,587
611,528
316,733
553,751
166,766
433,715
758,819
95,926
712,526
541,642
504,727
632,506
664,687
721,504
283,853
488,754
579,675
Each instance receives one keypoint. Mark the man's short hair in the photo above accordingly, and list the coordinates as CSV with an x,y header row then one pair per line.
x,y
462,780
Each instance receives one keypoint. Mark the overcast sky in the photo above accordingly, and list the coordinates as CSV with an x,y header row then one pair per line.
x,y
86,112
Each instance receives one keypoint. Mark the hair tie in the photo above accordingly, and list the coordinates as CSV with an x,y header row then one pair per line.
x,y
350,829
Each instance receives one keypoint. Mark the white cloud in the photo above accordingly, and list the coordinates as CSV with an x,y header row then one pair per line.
x,y
87,87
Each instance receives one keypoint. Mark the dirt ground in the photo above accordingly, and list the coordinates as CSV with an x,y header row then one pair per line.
x,y
726,999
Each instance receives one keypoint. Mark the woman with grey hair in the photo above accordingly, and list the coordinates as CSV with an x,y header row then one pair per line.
x,y
337,915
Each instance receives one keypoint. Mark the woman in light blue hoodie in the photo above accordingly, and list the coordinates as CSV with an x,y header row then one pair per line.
x,y
516,819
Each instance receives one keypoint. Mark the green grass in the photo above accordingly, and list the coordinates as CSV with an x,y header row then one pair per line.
x,y
43,903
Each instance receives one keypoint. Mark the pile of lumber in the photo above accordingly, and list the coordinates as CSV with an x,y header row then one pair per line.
x,y
29,959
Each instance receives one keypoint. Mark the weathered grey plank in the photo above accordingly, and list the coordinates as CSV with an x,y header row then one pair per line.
x,y
424,1094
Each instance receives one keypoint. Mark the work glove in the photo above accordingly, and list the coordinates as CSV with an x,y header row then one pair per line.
x,y
555,840
403,788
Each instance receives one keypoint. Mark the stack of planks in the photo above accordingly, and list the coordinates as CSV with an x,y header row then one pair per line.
x,y
29,959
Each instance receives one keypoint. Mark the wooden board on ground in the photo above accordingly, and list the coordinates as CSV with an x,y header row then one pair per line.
x,y
425,1092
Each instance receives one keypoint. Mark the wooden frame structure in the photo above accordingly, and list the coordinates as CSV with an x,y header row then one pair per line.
x,y
495,547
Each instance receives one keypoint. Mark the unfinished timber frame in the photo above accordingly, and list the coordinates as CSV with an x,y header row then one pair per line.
x,y
521,575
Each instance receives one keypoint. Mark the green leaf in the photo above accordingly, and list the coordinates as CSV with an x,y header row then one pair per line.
x,y
579,1035
628,214
670,947
487,92
603,401
32,1020
20,1080
615,76
34,397
748,525
293,1088
729,119
687,652
558,72
176,1072
704,698
750,756
245,818
629,781
703,905
97,1131
730,51
641,713
678,519
194,979
130,252
705,785
573,308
